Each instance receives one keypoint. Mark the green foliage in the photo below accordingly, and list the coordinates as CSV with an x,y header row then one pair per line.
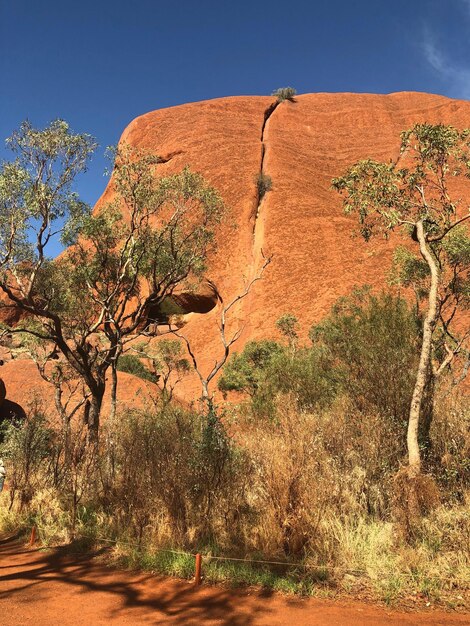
x,y
25,448
284,93
266,369
38,185
168,357
409,270
168,364
133,365
304,374
245,371
386,196
414,193
264,184
123,261
119,248
372,342
365,341
288,326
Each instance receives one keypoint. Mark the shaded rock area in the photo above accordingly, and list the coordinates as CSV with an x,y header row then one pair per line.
x,y
3,391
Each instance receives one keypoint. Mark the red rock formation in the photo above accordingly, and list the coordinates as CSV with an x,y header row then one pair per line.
x,y
26,389
301,145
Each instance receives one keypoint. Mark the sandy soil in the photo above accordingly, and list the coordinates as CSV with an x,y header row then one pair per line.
x,y
55,587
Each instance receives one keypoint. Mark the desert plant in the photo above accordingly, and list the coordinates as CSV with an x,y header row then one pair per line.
x,y
244,371
176,465
288,326
133,365
417,199
26,449
264,184
371,339
266,369
284,93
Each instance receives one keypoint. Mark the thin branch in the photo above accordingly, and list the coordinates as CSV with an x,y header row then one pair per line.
x,y
227,344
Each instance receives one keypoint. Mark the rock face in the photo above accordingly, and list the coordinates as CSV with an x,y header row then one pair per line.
x,y
301,146
26,390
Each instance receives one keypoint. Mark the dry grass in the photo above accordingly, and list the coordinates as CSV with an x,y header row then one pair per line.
x,y
310,488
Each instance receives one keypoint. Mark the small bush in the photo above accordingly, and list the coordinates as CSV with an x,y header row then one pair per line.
x,y
266,369
373,343
245,371
26,450
285,93
263,185
288,326
133,365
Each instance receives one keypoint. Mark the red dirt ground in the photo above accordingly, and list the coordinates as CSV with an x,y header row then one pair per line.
x,y
55,587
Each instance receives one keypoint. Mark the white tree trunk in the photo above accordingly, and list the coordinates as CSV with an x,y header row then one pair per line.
x,y
414,457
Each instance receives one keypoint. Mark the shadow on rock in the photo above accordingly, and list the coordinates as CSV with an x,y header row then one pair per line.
x,y
11,412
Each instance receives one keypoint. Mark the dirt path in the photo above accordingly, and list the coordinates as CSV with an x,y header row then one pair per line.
x,y
54,587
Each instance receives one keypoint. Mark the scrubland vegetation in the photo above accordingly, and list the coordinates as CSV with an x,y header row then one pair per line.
x,y
342,462
301,467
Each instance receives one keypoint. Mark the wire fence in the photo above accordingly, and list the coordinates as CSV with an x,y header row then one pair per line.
x,y
213,557
292,564
198,556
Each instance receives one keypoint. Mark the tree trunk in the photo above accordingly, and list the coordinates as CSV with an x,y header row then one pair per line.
x,y
414,457
93,414
110,457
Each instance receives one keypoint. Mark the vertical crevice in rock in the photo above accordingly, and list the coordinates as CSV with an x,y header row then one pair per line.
x,y
263,182
267,114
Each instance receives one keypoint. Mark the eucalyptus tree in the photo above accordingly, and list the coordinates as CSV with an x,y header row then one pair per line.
x,y
420,194
122,261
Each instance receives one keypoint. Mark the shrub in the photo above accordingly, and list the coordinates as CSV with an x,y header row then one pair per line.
x,y
263,185
133,365
288,326
266,369
26,450
244,372
178,467
373,344
285,93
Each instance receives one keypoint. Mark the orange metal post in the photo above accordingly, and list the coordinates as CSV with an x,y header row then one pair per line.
x,y
197,578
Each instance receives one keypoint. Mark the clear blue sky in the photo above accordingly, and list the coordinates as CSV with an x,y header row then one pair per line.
x,y
100,63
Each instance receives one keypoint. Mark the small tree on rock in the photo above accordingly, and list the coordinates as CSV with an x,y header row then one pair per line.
x,y
285,93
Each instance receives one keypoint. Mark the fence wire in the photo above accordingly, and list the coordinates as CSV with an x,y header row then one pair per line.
x,y
307,566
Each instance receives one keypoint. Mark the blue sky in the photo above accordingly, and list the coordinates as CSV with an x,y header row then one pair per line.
x,y
98,64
